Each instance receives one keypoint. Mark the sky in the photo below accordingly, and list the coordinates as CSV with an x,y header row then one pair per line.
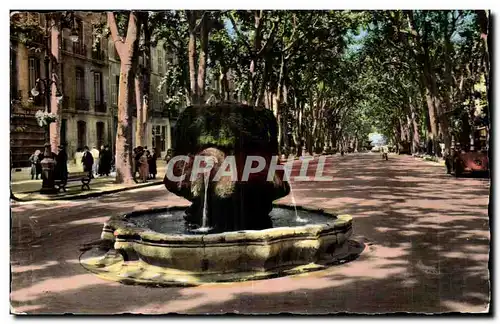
x,y
229,27
377,139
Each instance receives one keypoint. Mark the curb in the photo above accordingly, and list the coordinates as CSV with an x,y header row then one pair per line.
x,y
90,194
441,162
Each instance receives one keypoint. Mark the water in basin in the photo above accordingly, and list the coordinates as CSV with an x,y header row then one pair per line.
x,y
172,222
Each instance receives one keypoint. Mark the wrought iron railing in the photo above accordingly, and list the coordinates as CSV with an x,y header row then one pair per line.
x,y
65,103
80,49
82,104
98,55
100,106
74,47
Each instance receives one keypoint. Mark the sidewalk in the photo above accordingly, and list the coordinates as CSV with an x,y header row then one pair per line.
x,y
26,189
430,159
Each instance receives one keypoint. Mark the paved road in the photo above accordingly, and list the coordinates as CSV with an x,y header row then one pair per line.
x,y
426,235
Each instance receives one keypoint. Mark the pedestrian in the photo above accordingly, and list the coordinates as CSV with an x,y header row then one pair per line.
x,y
168,156
101,166
148,157
87,161
138,152
36,165
95,155
106,160
78,157
152,164
143,167
62,163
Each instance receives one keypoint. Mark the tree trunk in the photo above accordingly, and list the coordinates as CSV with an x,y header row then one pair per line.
x,y
128,51
414,124
433,134
448,91
146,81
55,38
277,103
139,131
192,58
169,135
277,114
202,59
124,131
284,117
257,41
264,81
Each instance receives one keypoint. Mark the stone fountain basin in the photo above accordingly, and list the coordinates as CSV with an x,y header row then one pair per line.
x,y
231,256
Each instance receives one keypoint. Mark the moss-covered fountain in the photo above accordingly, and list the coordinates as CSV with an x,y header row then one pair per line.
x,y
232,231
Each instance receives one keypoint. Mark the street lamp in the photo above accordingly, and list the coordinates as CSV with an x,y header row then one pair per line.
x,y
45,85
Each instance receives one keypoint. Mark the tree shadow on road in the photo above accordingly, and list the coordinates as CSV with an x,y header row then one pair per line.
x,y
428,237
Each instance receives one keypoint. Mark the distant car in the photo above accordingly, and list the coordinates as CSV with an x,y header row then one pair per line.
x,y
376,149
460,162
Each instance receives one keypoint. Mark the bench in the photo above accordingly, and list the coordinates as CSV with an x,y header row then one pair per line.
x,y
84,177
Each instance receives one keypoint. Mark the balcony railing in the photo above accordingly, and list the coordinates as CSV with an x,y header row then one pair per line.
x,y
65,103
98,55
76,48
80,48
100,106
82,104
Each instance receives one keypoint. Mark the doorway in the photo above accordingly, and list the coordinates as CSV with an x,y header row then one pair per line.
x,y
82,134
100,134
63,130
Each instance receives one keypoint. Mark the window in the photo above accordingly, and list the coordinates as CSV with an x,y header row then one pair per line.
x,y
163,137
100,134
117,89
79,28
170,59
61,82
160,60
34,71
80,83
117,56
160,101
97,88
96,40
13,73
79,46
97,52
64,123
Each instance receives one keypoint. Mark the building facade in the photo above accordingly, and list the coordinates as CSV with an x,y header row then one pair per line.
x,y
160,121
89,77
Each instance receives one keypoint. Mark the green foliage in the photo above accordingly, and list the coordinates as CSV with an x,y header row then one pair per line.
x,y
26,28
339,73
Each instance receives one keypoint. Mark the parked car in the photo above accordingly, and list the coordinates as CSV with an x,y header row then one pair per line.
x,y
460,162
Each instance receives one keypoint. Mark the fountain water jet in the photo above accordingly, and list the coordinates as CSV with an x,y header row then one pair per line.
x,y
232,231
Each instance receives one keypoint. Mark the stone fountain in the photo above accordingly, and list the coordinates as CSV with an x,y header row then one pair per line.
x,y
232,231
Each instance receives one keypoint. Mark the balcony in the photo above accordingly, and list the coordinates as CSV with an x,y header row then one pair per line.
x,y
82,104
98,55
75,48
80,49
100,106
65,103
